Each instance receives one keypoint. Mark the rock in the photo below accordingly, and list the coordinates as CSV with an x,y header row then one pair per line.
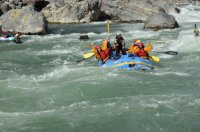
x,y
25,20
83,37
161,21
177,10
13,6
130,10
1,12
80,11
5,7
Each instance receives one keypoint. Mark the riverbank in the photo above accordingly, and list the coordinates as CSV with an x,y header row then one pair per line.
x,y
97,10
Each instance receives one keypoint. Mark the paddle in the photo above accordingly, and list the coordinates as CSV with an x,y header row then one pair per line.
x,y
167,52
86,56
154,58
108,27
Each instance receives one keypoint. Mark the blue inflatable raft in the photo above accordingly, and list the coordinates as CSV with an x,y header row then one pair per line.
x,y
129,62
7,39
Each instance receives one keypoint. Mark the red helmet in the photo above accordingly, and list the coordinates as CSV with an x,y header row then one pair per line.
x,y
98,47
137,41
140,45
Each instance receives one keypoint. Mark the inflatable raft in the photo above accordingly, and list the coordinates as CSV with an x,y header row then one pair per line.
x,y
7,39
129,62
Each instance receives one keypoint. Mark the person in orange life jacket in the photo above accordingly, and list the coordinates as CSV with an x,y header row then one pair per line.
x,y
134,47
101,54
142,52
107,47
136,41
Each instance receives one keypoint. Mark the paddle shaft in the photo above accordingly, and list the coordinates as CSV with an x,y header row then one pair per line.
x,y
167,52
80,60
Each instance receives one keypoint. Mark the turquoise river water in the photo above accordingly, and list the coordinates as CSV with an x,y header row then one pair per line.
x,y
43,89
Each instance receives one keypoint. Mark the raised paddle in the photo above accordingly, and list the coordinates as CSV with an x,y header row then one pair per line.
x,y
167,52
108,27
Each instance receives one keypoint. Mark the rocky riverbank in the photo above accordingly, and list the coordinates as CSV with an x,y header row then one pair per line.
x,y
80,11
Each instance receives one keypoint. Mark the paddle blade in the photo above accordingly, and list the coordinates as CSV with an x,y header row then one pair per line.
x,y
88,55
155,58
171,52
85,56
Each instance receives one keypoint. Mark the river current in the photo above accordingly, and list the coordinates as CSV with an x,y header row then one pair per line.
x,y
43,89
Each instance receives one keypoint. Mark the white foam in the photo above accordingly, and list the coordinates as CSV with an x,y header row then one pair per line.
x,y
171,73
188,14
98,23
54,52
186,42
190,59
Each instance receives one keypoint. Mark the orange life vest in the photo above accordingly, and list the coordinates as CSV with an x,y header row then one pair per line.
x,y
133,49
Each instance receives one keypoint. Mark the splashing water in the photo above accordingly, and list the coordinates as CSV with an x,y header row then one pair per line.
x,y
43,89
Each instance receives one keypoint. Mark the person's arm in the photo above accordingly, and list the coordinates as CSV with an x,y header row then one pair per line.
x,y
148,48
124,45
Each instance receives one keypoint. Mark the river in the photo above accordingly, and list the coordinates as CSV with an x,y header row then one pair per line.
x,y
43,89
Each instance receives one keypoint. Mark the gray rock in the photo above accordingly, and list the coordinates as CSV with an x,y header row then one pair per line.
x,y
161,21
5,7
20,4
13,6
25,20
83,37
81,11
17,1
177,10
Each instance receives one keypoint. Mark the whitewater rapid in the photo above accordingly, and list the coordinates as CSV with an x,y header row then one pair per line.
x,y
44,89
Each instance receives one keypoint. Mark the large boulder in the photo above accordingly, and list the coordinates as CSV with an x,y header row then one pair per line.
x,y
25,20
128,10
161,21
79,11
75,11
